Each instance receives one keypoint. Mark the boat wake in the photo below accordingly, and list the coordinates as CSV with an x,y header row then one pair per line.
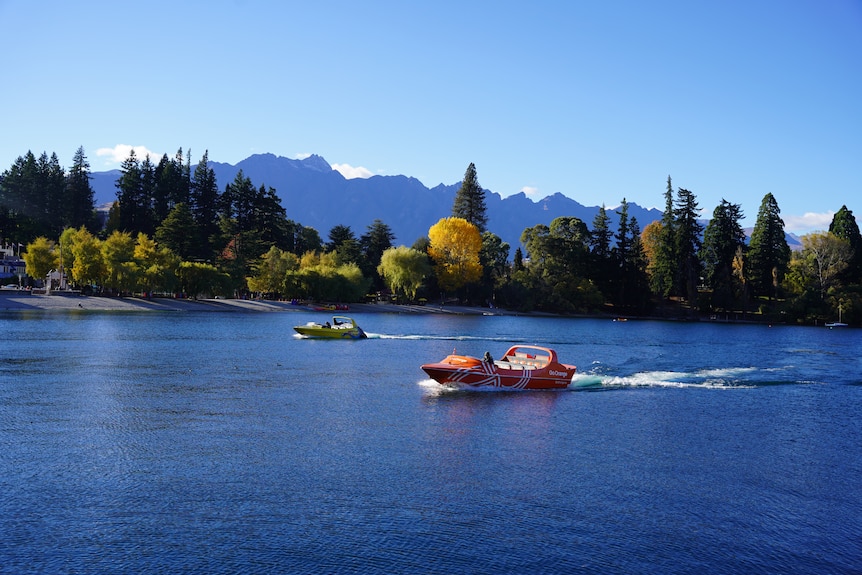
x,y
598,379
716,378
441,337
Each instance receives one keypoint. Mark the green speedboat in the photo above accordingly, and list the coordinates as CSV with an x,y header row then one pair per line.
x,y
341,328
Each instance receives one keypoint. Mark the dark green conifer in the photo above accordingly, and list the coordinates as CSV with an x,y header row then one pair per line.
x,y
470,200
769,254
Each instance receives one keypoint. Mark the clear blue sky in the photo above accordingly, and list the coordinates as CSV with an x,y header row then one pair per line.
x,y
598,100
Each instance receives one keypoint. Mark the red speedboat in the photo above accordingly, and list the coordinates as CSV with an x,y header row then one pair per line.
x,y
522,367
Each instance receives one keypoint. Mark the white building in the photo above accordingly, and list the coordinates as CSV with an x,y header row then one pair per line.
x,y
11,265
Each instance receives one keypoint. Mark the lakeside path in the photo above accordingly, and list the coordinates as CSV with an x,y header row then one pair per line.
x,y
25,301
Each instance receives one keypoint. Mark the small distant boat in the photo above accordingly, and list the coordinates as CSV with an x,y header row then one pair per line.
x,y
341,328
331,307
837,323
521,367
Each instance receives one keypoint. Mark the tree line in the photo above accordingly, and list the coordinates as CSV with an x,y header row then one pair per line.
x,y
172,229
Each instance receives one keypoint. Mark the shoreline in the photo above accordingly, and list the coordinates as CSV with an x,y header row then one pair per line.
x,y
72,302
59,302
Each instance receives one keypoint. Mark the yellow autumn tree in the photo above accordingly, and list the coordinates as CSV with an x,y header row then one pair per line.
x,y
88,265
41,257
454,247
118,252
650,240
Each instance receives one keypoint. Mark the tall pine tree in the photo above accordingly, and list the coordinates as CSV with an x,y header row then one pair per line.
x,y
470,200
664,263
723,238
78,204
769,254
134,196
630,279
688,232
601,270
204,205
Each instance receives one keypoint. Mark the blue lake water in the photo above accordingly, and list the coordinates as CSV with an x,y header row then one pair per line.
x,y
221,443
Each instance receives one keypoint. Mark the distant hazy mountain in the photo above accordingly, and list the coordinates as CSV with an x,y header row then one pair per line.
x,y
316,195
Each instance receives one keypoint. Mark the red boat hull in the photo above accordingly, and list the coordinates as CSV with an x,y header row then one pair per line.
x,y
509,373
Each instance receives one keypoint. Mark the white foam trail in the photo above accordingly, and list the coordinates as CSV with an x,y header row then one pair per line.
x,y
726,372
439,337
722,378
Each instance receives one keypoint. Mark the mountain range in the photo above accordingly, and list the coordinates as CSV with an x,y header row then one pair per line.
x,y
316,195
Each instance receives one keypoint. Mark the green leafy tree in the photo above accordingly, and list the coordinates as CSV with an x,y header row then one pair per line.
x,y
537,246
157,266
271,271
844,226
200,279
768,252
569,241
321,278
346,283
722,240
470,200
823,258
494,258
404,269
556,275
